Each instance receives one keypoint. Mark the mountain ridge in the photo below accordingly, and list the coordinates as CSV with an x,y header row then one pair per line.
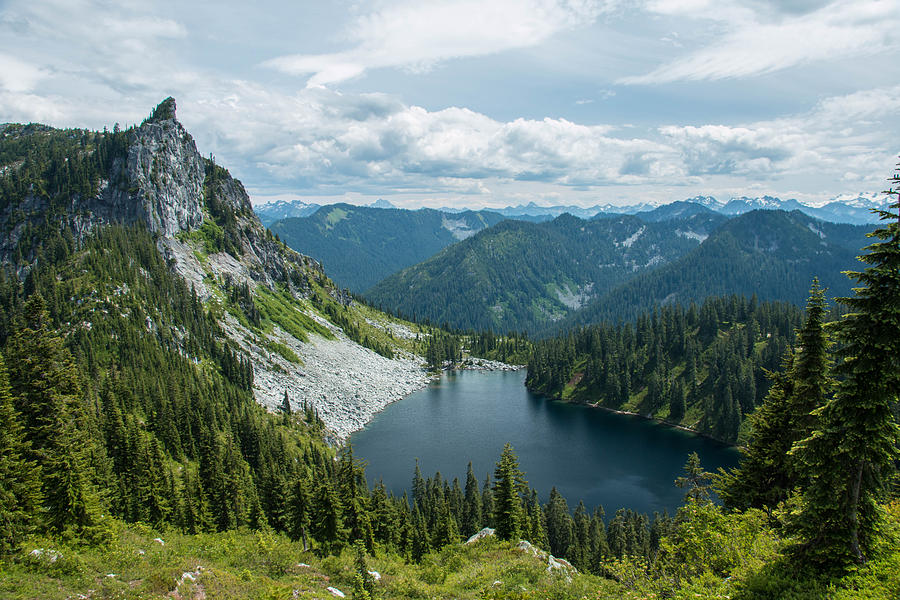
x,y
771,254
518,275
361,245
304,336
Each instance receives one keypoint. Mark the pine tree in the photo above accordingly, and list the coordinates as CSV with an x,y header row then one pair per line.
x,y
537,531
599,548
20,486
695,479
421,542
363,580
560,532
328,523
509,485
300,511
853,451
45,383
471,522
487,502
767,473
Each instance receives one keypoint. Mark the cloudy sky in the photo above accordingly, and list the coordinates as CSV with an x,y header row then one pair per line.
x,y
483,103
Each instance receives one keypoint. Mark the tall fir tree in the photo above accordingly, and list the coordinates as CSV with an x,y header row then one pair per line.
x,y
509,485
560,533
471,521
853,451
768,473
45,383
20,485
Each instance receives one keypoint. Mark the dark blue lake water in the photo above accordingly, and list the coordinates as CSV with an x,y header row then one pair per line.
x,y
588,454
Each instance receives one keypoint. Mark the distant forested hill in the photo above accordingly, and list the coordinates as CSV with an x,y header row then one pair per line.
x,y
359,245
524,276
772,254
701,366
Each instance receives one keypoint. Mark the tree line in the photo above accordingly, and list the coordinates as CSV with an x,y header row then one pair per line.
x,y
702,366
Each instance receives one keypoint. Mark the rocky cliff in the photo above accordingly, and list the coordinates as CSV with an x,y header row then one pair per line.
x,y
153,176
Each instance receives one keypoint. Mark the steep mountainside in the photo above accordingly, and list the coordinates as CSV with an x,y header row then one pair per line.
x,y
702,367
772,254
277,308
523,276
360,245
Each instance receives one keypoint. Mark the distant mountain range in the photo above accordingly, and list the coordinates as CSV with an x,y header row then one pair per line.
x,y
846,208
567,272
360,245
855,210
480,270
281,209
524,276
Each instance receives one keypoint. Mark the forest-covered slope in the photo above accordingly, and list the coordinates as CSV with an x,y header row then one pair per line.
x,y
360,245
768,253
524,276
701,366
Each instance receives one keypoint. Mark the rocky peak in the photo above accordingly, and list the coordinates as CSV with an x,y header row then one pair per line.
x,y
154,176
164,174
164,111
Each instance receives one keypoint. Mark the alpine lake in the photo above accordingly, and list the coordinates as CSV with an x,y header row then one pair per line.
x,y
602,458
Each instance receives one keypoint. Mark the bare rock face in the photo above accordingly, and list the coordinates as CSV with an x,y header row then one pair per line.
x,y
159,184
165,166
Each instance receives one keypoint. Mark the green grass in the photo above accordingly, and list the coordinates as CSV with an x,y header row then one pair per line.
x,y
208,239
281,309
335,216
737,556
282,350
245,564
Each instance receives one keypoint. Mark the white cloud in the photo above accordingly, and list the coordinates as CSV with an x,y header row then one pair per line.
x,y
330,138
90,63
850,133
416,35
754,46
17,75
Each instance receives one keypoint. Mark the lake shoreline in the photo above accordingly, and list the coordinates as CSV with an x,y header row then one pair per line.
x,y
662,421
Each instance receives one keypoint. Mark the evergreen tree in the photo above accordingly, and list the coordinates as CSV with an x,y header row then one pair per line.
x,y
445,531
599,548
560,532
487,502
537,531
300,511
45,382
421,543
695,479
853,451
767,473
363,580
20,486
471,521
509,485
328,523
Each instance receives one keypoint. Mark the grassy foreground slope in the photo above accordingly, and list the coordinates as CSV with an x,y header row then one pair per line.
x,y
716,555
